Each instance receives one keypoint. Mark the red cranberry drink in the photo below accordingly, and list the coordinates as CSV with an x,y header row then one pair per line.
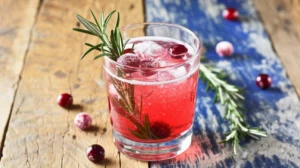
x,y
152,91
166,98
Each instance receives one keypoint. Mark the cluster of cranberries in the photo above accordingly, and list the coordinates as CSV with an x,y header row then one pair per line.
x,y
96,153
225,48
82,120
133,60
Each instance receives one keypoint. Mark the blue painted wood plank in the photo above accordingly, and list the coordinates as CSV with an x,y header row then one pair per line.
x,y
276,110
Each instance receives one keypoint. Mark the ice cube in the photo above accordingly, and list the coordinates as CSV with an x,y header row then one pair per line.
x,y
165,76
178,72
149,49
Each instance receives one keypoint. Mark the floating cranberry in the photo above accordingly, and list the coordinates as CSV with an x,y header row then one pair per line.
x,y
128,50
65,100
95,153
178,51
131,60
263,81
148,63
83,120
160,129
230,14
224,48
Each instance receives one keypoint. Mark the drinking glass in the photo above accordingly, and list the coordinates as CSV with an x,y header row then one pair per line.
x,y
152,109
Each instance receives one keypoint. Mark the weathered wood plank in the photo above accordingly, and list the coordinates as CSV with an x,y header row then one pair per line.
x,y
276,110
282,21
14,41
40,133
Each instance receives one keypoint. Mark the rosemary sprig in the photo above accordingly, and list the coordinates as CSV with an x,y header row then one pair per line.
x,y
113,46
231,97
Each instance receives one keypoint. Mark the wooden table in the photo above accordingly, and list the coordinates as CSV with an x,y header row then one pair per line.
x,y
39,59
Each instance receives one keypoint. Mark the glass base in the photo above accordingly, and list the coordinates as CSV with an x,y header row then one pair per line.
x,y
153,151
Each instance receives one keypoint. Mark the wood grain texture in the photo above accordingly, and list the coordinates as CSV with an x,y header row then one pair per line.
x,y
40,133
276,110
282,22
14,39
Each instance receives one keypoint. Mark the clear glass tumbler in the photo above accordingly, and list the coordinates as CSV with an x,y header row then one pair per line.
x,y
152,105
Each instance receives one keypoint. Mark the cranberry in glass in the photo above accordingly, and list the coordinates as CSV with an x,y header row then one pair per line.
x,y
263,81
65,100
129,59
148,63
230,14
160,129
178,51
128,50
95,153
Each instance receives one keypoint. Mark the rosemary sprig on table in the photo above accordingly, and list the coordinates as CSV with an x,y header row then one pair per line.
x,y
231,97
113,46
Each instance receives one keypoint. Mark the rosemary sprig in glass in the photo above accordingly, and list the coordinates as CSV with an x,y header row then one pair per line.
x,y
113,47
231,97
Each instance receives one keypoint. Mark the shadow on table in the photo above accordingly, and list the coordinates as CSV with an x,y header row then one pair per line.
x,y
75,107
92,128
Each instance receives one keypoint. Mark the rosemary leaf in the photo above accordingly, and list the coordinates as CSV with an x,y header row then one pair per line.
x,y
90,45
91,49
95,20
83,31
88,25
108,18
101,55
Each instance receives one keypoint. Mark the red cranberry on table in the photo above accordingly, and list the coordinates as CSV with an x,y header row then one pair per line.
x,y
178,51
160,129
263,81
65,100
83,120
95,153
230,14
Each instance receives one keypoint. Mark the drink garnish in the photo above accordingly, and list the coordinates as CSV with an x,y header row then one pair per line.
x,y
113,47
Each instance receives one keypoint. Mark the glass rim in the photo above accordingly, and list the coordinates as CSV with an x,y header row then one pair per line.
x,y
197,51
